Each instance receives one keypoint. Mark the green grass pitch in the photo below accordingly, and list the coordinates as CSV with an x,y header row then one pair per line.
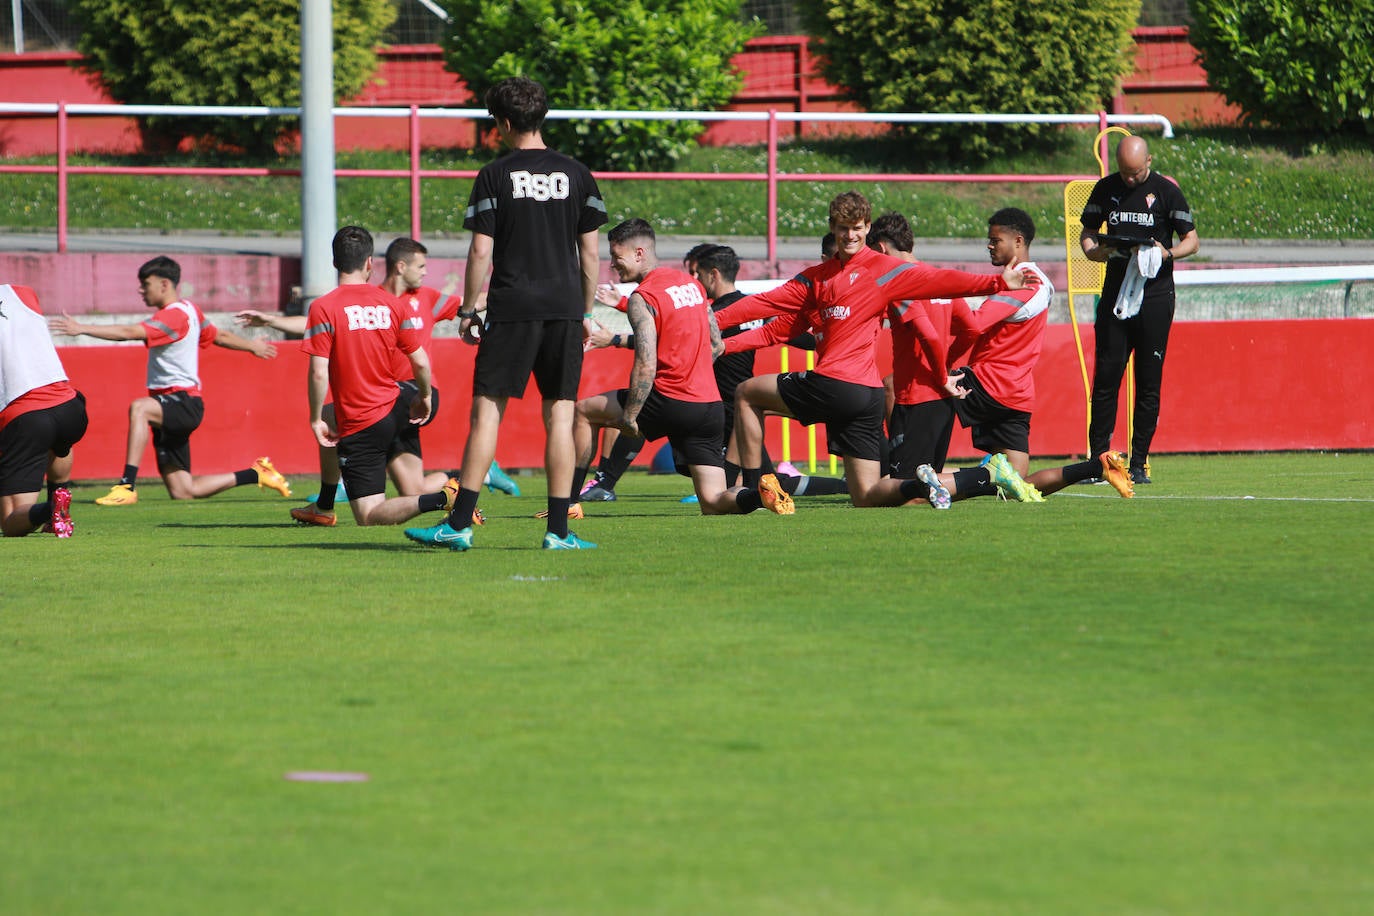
x,y
1089,706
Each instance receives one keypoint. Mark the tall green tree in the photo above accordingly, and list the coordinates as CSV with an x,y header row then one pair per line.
x,y
1299,65
609,55
988,57
227,52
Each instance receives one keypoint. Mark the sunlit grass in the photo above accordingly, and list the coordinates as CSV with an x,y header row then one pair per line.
x,y
1088,705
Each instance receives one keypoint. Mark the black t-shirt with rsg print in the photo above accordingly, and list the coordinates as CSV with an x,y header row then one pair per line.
x,y
534,203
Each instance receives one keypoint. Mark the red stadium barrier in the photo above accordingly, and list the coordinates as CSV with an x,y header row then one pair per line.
x,y
1229,386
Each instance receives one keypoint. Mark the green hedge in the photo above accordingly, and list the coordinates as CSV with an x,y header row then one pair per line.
x,y
606,54
1043,57
226,52
1297,65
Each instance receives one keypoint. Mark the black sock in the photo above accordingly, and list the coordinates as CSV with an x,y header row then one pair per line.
x,y
806,485
750,477
558,516
622,455
461,516
914,488
731,474
325,501
748,500
1083,470
40,513
433,502
766,466
245,477
130,475
970,482
579,478
54,487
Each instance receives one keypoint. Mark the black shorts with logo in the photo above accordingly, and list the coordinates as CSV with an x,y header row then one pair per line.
x,y
363,455
27,439
994,427
852,413
511,351
919,434
694,429
182,413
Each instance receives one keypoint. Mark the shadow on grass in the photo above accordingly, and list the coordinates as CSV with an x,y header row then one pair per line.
x,y
370,546
210,526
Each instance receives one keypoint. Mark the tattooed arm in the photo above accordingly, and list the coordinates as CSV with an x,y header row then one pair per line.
x,y
645,365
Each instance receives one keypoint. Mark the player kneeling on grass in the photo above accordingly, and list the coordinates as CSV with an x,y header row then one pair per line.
x,y
351,335
174,335
41,417
995,390
673,389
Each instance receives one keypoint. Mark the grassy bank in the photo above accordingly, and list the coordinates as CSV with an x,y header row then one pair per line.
x,y
1241,184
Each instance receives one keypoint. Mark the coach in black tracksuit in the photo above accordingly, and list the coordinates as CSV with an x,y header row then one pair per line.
x,y
1139,203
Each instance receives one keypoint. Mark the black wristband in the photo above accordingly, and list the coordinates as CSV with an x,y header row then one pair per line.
x,y
467,315
615,340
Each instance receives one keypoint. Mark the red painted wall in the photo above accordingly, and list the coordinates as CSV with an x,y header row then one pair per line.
x,y
82,282
1229,386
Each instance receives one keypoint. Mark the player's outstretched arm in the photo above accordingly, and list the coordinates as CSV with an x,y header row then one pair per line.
x,y
66,324
287,324
231,341
598,335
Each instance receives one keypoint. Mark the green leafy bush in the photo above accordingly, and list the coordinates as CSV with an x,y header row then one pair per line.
x,y
230,52
1045,57
606,54
1306,65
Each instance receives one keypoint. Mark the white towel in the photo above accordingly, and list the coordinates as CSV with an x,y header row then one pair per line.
x,y
1144,265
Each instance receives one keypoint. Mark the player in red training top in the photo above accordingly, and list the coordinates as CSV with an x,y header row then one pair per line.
x,y
406,266
843,301
673,390
174,336
995,390
920,419
351,336
41,417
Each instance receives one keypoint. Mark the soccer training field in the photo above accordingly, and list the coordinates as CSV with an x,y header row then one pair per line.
x,y
1090,705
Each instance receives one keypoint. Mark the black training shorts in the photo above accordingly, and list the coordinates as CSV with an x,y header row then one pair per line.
x,y
182,413
363,455
27,439
919,434
407,441
694,429
511,351
852,413
994,426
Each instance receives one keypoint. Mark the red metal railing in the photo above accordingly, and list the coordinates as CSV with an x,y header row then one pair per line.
x,y
63,170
